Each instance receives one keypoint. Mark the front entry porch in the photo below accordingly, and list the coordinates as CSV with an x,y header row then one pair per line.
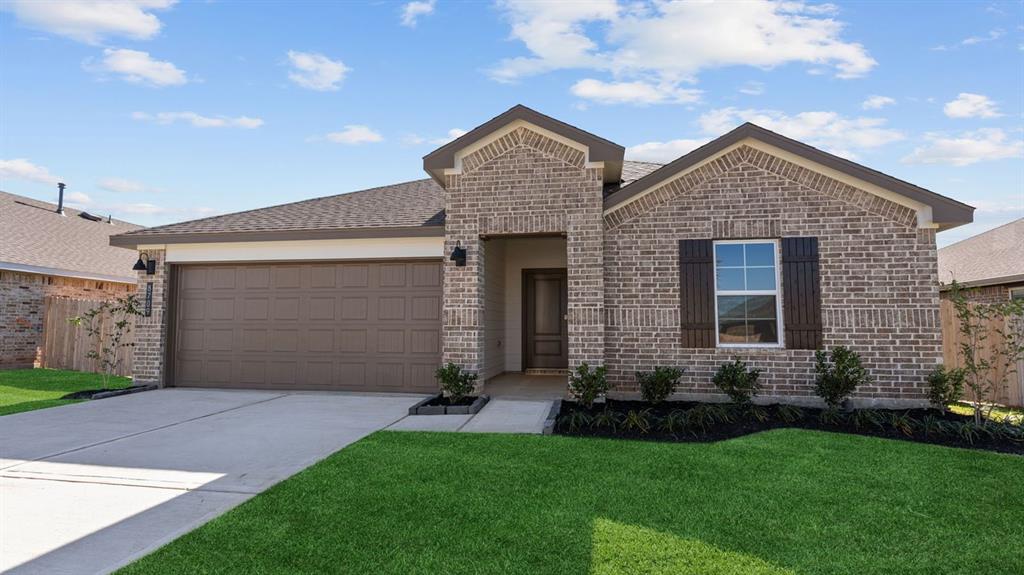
x,y
525,386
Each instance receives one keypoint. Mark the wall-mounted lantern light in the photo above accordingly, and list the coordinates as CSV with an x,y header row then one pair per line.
x,y
146,264
459,255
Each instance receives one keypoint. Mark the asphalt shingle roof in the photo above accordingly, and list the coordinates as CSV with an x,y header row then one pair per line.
x,y
32,233
409,204
992,255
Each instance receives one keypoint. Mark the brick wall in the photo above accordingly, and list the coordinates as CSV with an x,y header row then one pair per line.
x,y
21,310
150,332
878,276
986,294
521,184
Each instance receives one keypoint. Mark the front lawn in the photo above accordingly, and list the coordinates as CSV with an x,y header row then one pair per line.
x,y
787,501
28,389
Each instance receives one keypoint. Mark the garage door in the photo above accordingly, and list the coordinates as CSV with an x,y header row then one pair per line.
x,y
343,326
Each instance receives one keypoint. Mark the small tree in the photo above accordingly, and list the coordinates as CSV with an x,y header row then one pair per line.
x,y
455,382
839,375
657,385
945,386
587,384
738,382
987,367
108,326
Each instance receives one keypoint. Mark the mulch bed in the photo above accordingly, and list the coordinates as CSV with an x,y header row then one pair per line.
x,y
88,393
723,421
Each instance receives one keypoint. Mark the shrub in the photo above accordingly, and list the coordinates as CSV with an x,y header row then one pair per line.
x,y
903,423
674,422
738,382
657,385
863,418
831,416
588,384
456,383
789,413
945,386
838,376
606,419
576,421
639,421
758,413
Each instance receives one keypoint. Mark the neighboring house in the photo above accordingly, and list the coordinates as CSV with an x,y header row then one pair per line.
x,y
47,253
990,268
534,247
990,263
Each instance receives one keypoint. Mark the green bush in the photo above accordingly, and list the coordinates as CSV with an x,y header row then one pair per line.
x,y
639,421
587,384
606,419
738,382
455,382
839,375
789,413
945,386
657,385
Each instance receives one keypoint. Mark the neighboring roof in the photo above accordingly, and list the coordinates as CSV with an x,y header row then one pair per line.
x,y
600,149
989,258
35,238
633,171
946,212
408,209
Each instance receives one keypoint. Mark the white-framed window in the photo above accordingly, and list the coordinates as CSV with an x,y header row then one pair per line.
x,y
748,310
1017,293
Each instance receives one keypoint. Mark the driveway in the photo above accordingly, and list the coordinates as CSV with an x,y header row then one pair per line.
x,y
87,488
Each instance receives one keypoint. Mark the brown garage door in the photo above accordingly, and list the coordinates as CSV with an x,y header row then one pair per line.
x,y
355,326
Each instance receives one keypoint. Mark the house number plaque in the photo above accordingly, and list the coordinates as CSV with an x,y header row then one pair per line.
x,y
149,299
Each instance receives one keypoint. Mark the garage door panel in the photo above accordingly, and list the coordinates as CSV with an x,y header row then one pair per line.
x,y
353,326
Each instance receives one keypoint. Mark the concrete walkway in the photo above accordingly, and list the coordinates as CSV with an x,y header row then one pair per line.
x,y
87,488
500,415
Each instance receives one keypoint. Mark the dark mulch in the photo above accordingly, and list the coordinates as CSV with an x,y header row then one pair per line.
x,y
447,401
88,393
741,422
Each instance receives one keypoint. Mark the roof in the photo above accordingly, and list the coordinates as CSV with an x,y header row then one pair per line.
x,y
989,258
600,149
35,238
946,212
408,209
413,208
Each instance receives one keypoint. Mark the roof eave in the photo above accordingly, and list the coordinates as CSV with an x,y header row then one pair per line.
x,y
136,240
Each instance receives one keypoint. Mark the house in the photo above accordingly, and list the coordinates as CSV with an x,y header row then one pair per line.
x,y
990,263
48,250
534,247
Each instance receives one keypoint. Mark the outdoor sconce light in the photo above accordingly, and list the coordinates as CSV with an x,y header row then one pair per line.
x,y
145,263
459,255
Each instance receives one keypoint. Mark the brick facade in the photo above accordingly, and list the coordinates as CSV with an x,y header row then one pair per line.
x,y
878,276
523,184
22,297
151,332
986,294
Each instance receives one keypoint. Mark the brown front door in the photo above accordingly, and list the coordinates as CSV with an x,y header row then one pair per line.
x,y
545,328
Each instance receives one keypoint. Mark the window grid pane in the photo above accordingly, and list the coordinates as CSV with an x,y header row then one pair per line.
x,y
747,310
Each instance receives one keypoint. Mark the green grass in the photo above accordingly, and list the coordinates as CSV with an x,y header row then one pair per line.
x,y
28,389
783,502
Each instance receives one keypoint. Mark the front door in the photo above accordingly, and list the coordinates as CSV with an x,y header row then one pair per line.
x,y
545,324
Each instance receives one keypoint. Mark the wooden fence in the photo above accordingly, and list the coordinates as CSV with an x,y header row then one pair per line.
x,y
1013,395
65,345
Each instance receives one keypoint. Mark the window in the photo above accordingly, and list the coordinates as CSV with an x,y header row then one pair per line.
x,y
747,293
1017,293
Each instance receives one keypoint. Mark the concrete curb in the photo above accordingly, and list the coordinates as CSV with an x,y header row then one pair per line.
x,y
552,419
127,391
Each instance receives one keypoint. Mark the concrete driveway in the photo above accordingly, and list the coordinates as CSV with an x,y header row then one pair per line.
x,y
87,488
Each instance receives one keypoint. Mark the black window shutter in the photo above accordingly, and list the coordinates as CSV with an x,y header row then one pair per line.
x,y
801,293
697,293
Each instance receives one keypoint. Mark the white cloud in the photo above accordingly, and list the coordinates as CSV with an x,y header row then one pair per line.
x,y
638,92
77,199
663,152
416,139
992,35
91,20
146,209
413,10
967,148
22,169
199,121
877,102
675,40
316,71
967,105
124,186
752,88
355,134
139,67
829,130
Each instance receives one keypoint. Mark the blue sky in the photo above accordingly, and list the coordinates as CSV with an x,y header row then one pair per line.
x,y
158,111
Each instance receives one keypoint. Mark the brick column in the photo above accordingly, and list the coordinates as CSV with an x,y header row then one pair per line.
x,y
151,331
463,308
